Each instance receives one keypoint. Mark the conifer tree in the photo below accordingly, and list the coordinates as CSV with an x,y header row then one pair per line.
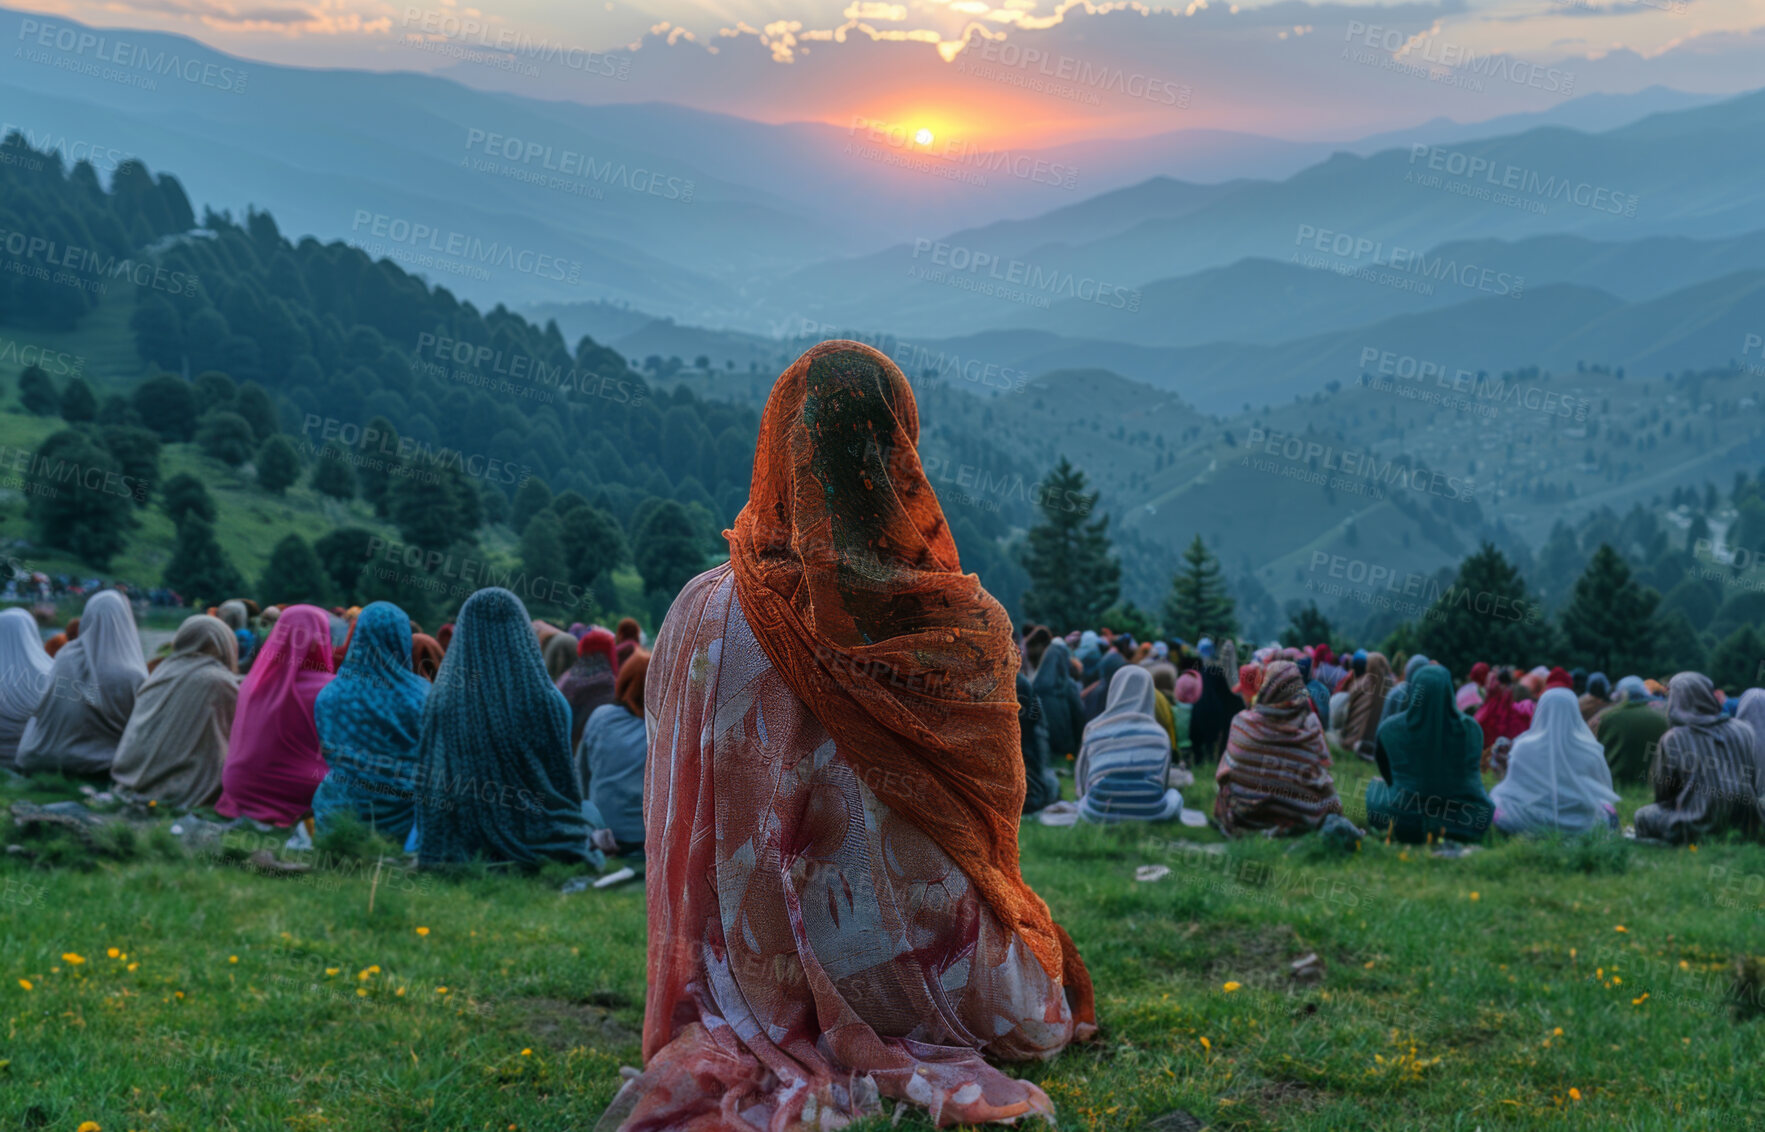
x,y
1198,604
200,571
1485,614
1608,624
1073,577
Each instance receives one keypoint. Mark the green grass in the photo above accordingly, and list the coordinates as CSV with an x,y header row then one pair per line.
x,y
1446,983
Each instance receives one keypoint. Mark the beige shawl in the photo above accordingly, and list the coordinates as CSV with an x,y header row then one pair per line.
x,y
176,741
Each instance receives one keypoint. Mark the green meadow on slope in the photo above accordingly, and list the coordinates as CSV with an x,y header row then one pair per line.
x,y
1524,986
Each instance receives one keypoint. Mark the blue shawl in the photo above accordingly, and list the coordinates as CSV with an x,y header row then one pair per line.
x,y
494,774
369,720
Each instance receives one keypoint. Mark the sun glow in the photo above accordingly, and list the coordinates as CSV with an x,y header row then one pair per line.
x,y
923,137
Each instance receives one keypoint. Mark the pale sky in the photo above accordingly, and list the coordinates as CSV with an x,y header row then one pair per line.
x,y
1292,69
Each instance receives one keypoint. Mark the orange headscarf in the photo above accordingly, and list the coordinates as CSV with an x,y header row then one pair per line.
x,y
847,574
628,688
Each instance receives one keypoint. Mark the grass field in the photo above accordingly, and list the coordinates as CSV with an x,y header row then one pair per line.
x,y
1528,985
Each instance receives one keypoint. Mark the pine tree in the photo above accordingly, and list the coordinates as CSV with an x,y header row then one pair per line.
x,y
669,552
294,575
1198,604
278,465
92,522
532,497
36,392
1677,648
168,405
136,451
200,571
1608,624
1306,626
593,544
225,437
1073,577
435,506
344,554
1485,614
332,474
78,403
1734,664
542,552
185,495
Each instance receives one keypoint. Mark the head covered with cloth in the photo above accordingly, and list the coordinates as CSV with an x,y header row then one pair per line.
x,y
176,741
90,695
494,771
840,693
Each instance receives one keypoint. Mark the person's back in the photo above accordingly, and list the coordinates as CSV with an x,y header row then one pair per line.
x,y
612,755
1557,780
1708,773
831,801
1126,756
1629,731
1428,784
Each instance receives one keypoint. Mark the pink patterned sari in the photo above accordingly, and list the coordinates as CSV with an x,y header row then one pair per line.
x,y
810,951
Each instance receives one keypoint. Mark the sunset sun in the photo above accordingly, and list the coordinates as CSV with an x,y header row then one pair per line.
x,y
923,137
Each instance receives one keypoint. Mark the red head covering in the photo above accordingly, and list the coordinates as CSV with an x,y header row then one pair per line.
x,y
1480,674
1498,716
1559,679
849,578
629,688
444,635
426,654
273,758
1249,681
598,640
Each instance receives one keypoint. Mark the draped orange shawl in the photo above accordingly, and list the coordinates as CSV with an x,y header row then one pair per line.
x,y
847,573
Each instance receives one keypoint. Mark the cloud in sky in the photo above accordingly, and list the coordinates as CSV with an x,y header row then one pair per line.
x,y
991,72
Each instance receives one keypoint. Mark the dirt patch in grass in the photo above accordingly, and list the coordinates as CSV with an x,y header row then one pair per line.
x,y
560,1025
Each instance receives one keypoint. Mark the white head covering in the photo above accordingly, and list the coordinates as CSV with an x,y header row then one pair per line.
x,y
1752,710
1130,694
1557,773
24,674
91,692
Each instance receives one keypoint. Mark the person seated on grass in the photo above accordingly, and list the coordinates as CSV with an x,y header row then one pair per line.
x,y
426,654
1499,718
1708,773
1630,730
1164,683
590,681
1211,720
274,762
495,777
1316,691
1125,758
24,677
1275,774
1398,697
1366,700
369,720
1041,784
835,783
1428,784
82,714
1557,778
55,644
559,651
1057,694
611,757
175,744
1597,697
1470,694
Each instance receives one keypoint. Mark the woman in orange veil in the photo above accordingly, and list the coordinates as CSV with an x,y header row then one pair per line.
x,y
834,784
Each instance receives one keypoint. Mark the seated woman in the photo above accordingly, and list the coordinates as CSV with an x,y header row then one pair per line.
x,y
590,681
559,651
1057,694
1630,730
1428,784
274,763
1499,717
832,802
611,759
83,712
24,677
1366,699
1210,722
495,779
175,744
369,719
1557,778
1597,698
1275,774
1470,696
1709,770
1126,756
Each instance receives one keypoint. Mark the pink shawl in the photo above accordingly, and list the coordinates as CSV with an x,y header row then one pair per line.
x,y
810,951
273,758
